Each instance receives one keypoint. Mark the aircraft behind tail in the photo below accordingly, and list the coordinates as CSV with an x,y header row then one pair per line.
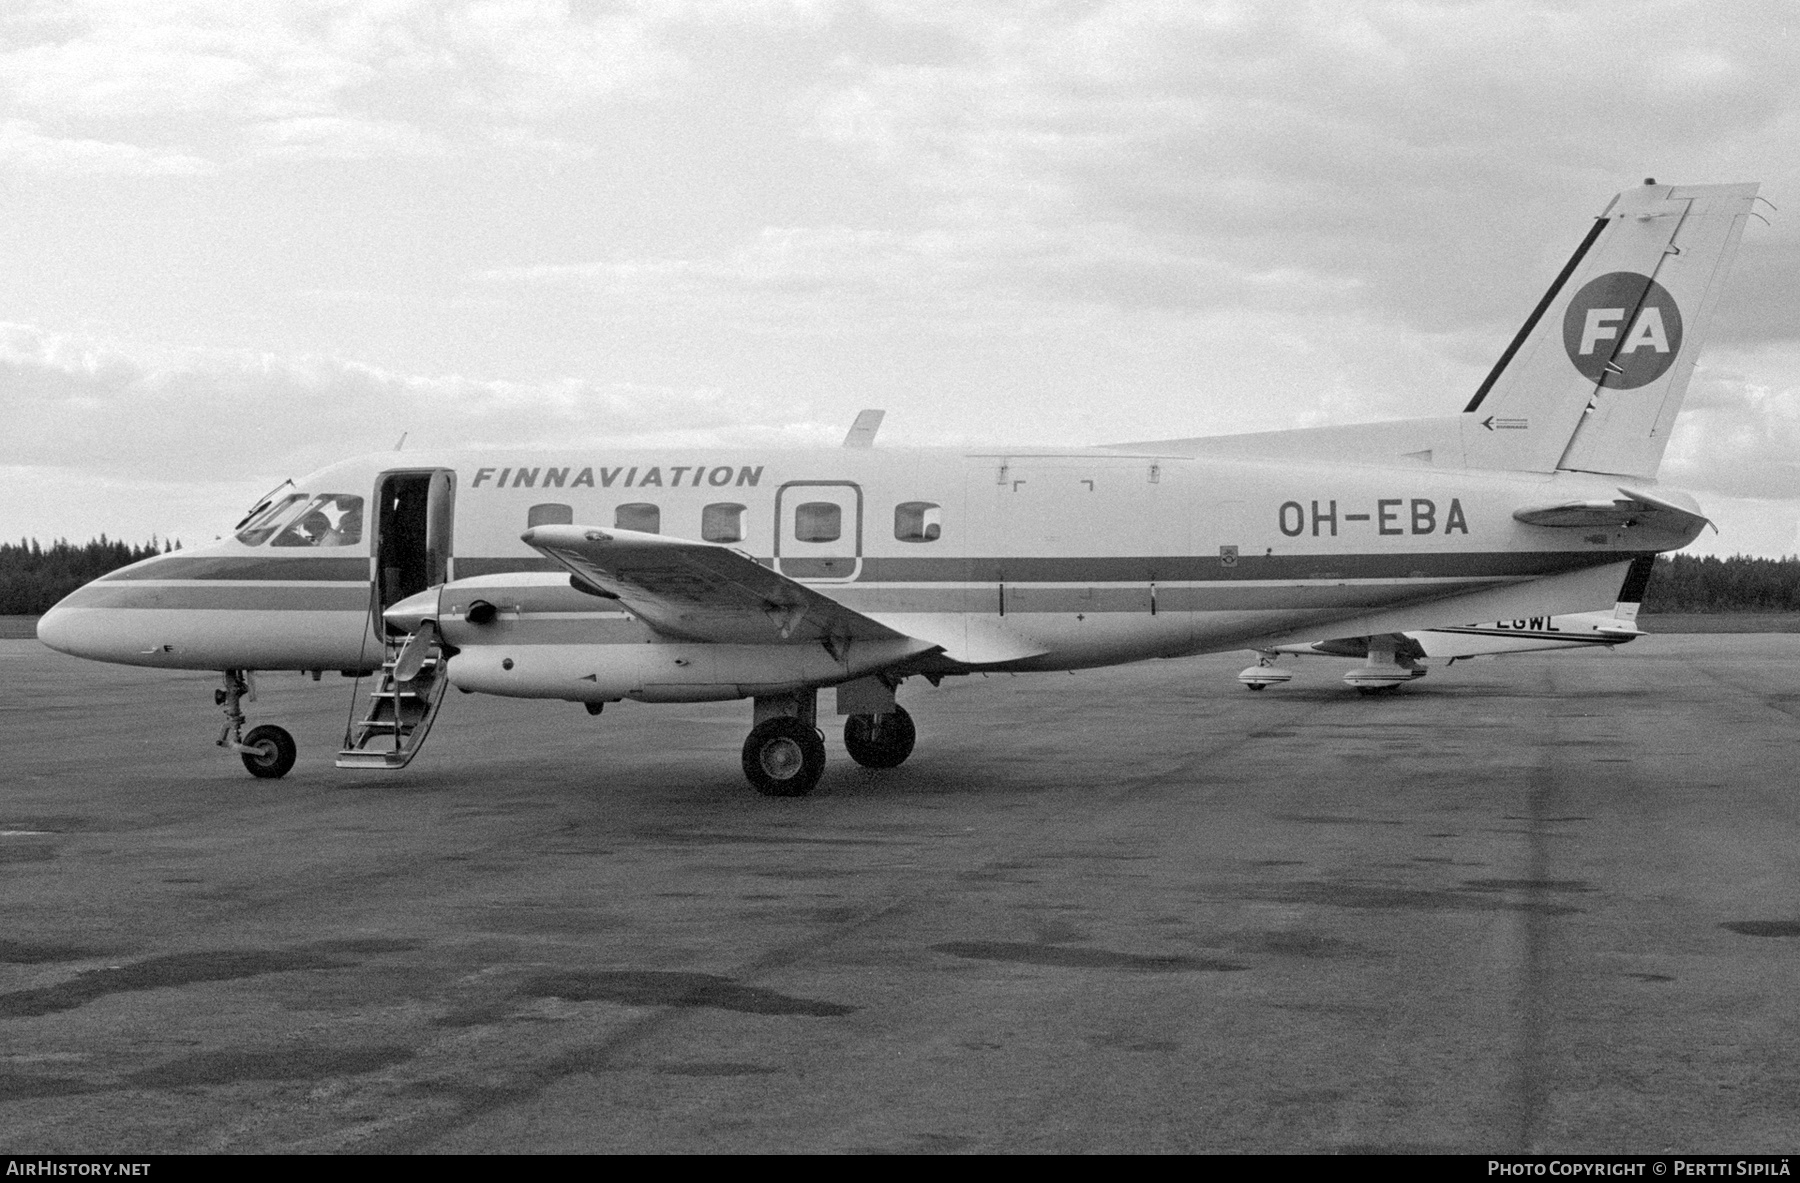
x,y
1390,662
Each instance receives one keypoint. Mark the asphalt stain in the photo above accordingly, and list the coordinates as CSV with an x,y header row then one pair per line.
x,y
663,988
156,973
1289,943
1125,1043
19,1086
721,838
1527,885
1364,896
1651,977
724,1069
481,1015
26,853
1066,957
1331,819
1764,928
366,945
27,953
280,1063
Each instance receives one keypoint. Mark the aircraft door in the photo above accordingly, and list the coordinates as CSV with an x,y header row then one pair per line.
x,y
413,531
819,530
440,520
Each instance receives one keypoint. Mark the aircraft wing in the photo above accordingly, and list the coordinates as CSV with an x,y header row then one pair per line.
x,y
701,591
1631,508
1404,645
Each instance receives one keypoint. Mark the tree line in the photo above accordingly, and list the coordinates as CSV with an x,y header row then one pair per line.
x,y
33,577
1704,583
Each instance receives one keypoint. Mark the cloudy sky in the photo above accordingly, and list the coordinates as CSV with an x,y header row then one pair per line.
x,y
240,241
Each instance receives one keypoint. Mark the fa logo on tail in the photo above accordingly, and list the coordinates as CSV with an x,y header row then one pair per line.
x,y
1622,330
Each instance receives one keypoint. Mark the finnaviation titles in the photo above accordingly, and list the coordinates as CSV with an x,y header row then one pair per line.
x,y
557,478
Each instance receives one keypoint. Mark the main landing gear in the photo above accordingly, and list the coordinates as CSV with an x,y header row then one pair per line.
x,y
268,751
880,741
784,755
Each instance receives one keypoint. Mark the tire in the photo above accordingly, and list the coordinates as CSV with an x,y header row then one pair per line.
x,y
277,752
880,741
783,757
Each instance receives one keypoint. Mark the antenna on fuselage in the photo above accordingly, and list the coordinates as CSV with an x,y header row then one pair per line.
x,y
862,432
401,443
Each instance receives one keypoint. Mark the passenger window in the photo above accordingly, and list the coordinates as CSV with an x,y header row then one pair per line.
x,y
550,514
722,523
330,519
638,515
918,521
818,521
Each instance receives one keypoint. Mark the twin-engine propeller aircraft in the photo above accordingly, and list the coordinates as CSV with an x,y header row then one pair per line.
x,y
592,575
1391,661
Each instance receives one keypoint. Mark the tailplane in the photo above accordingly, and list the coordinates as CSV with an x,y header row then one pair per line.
x,y
1595,378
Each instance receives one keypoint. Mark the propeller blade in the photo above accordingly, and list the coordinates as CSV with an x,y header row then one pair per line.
x,y
413,654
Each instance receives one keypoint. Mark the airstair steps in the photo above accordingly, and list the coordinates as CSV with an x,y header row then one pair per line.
x,y
399,715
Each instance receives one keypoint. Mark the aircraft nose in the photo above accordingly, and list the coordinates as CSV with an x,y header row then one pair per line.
x,y
89,623
56,628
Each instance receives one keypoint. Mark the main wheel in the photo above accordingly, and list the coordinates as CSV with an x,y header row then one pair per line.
x,y
274,753
880,741
784,757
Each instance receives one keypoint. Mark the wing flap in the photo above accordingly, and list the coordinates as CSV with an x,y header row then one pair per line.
x,y
701,591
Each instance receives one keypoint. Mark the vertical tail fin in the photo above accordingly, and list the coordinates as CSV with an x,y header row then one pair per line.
x,y
1631,592
1594,379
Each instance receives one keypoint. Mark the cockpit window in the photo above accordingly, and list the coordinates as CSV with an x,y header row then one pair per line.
x,y
330,519
267,519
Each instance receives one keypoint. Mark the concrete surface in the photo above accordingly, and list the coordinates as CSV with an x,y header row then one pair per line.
x,y
1544,903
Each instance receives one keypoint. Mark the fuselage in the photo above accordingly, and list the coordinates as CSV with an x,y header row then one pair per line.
x,y
1079,557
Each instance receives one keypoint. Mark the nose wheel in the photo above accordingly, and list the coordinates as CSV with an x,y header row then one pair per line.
x,y
268,751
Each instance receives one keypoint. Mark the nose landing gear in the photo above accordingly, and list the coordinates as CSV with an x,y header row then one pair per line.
x,y
268,751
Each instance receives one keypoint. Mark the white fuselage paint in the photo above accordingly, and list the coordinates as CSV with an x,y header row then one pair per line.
x,y
1044,560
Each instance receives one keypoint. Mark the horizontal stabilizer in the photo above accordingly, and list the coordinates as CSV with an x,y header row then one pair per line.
x,y
1632,508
